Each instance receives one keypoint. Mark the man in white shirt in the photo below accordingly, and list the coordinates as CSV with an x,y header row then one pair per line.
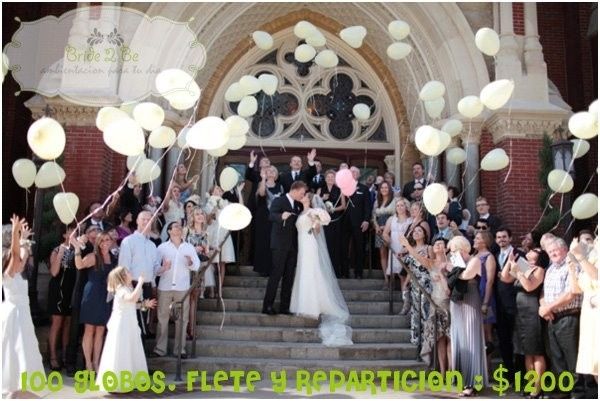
x,y
179,259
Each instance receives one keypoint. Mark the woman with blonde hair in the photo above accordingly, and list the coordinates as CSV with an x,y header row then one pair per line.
x,y
123,350
383,209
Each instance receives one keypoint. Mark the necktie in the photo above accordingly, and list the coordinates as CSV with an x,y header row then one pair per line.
x,y
294,175
502,258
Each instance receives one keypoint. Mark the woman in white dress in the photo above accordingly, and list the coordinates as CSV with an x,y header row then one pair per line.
x,y
123,349
20,350
316,292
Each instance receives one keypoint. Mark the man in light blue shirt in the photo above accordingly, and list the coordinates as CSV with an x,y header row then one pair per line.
x,y
139,255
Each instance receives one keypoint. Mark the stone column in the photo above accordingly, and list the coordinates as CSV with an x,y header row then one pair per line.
x,y
508,64
537,72
470,183
452,172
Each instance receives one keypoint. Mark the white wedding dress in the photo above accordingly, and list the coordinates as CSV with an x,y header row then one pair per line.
x,y
316,292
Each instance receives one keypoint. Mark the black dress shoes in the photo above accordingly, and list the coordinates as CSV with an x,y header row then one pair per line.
x,y
286,312
269,311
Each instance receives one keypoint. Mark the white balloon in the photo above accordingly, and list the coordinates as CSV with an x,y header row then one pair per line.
x,y
585,206
593,109
235,217
496,159
49,175
46,137
435,198
24,172
560,181
304,29
66,205
580,147
148,170
495,94
327,58
452,127
248,106
108,115
125,137
222,151
432,90
128,107
361,111
208,134
470,106
134,161
431,141
149,115
5,65
268,83
162,137
263,40
316,40
236,142
237,126
228,179
398,50
456,155
234,93
304,53
487,41
398,29
583,125
182,138
182,104
177,86
250,84
354,35
435,107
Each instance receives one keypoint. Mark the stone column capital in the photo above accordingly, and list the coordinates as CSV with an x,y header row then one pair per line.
x,y
524,124
63,111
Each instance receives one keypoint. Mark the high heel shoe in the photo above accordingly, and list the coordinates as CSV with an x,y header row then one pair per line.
x,y
55,365
468,392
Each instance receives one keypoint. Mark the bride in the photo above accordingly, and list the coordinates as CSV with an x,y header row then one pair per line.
x,y
316,291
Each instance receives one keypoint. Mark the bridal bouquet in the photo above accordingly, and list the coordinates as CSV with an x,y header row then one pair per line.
x,y
319,217
214,202
329,206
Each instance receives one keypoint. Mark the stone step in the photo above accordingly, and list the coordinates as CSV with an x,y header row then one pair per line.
x,y
266,365
256,305
298,335
249,271
349,295
277,350
253,319
344,283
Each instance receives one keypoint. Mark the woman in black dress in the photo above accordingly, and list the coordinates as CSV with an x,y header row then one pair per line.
x,y
95,310
528,322
267,190
331,194
60,291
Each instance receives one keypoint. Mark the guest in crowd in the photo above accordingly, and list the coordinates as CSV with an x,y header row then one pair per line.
x,y
180,258
506,307
188,206
530,241
390,178
95,311
443,229
318,180
97,219
296,172
185,185
586,282
356,224
130,199
454,208
417,214
124,227
60,292
482,242
172,208
528,324
395,227
214,205
331,195
586,236
418,178
383,209
483,212
196,234
123,349
139,255
561,308
468,351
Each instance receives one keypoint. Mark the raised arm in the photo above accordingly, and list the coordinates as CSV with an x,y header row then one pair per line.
x,y
55,259
426,262
490,269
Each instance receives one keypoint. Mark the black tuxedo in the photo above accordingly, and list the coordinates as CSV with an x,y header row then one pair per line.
x,y
409,187
318,181
506,310
305,175
284,247
357,211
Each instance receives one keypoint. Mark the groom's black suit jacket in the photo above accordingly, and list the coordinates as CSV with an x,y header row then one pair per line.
x,y
283,232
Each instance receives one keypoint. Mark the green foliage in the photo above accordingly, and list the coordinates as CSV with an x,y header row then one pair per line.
x,y
50,236
551,216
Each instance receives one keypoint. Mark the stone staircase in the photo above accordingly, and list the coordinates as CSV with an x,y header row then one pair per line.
x,y
250,340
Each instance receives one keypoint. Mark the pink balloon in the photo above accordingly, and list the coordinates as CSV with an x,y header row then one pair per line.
x,y
349,188
343,178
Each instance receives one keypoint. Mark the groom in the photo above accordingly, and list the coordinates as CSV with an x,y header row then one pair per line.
x,y
284,247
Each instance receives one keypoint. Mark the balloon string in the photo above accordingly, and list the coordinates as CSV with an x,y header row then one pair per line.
x,y
26,202
73,213
468,184
466,165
